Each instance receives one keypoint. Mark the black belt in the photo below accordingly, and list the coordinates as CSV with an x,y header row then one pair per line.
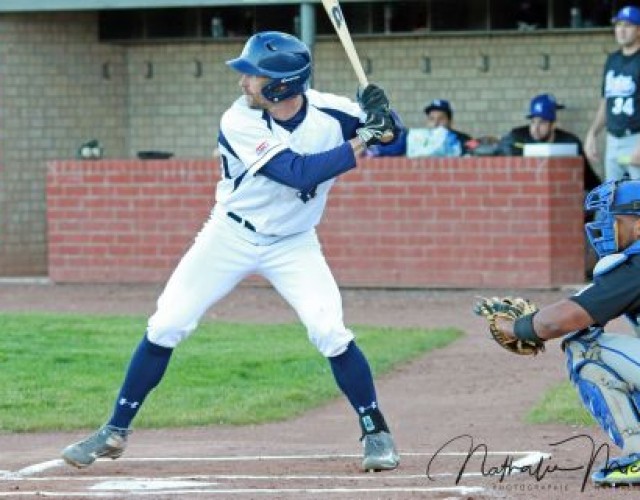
x,y
242,221
623,133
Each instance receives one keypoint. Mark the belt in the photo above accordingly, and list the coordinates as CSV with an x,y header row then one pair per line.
x,y
624,133
242,221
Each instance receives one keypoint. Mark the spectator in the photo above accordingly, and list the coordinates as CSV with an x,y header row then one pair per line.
x,y
542,128
437,139
619,107
440,114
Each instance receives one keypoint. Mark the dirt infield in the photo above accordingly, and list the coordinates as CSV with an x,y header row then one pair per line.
x,y
470,388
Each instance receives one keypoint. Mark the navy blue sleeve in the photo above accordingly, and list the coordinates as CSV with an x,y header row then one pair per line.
x,y
304,172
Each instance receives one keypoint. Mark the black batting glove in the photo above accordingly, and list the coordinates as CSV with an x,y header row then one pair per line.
x,y
372,98
379,125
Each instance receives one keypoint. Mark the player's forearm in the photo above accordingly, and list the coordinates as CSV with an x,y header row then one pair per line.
x,y
555,320
599,120
357,145
304,172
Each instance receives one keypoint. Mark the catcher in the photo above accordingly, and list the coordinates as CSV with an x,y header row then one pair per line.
x,y
604,367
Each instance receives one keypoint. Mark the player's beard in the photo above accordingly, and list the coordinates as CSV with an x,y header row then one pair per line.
x,y
255,101
545,137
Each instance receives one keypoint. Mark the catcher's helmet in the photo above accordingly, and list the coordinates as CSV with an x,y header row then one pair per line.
x,y
608,200
279,56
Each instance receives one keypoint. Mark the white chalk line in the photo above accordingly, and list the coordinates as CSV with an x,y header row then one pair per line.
x,y
247,477
146,486
50,464
464,490
35,469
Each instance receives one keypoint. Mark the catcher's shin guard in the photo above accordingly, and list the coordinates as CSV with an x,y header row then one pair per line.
x,y
607,378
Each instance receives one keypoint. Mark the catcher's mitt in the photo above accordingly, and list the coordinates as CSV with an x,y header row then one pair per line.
x,y
510,308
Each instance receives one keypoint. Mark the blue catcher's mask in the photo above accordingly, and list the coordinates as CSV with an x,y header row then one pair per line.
x,y
608,200
279,56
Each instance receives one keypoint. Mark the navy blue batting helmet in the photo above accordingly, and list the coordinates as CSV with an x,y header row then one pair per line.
x,y
279,56
608,200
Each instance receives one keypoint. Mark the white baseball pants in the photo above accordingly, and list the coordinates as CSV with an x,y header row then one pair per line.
x,y
617,147
224,253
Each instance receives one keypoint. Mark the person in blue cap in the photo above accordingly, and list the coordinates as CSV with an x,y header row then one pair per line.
x,y
439,113
619,108
542,128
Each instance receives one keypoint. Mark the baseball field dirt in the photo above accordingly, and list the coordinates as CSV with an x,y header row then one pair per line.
x,y
470,395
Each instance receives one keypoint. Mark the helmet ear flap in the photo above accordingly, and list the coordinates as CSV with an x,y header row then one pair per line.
x,y
280,89
275,91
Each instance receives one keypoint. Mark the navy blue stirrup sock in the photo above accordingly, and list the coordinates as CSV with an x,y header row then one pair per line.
x,y
353,376
146,368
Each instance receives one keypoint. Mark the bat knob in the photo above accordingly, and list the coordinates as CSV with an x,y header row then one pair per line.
x,y
387,137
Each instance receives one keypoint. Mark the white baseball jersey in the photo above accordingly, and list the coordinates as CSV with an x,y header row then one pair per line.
x,y
249,138
260,226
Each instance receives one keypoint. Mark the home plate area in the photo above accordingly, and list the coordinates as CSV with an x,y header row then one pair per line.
x,y
262,476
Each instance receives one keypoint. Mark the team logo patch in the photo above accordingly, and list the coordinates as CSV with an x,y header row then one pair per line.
x,y
261,148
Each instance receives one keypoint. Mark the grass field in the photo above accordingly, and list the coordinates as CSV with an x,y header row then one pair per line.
x,y
560,404
62,372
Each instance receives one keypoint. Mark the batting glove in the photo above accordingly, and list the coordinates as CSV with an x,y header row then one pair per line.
x,y
372,98
378,128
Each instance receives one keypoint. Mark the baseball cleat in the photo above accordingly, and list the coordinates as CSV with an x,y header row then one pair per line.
x,y
623,471
107,442
379,452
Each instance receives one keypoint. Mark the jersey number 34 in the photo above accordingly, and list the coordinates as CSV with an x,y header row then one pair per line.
x,y
623,105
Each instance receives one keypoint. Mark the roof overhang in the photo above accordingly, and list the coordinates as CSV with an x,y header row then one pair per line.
x,y
74,5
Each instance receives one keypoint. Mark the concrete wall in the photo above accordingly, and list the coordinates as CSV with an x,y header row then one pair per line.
x,y
177,111
395,222
54,95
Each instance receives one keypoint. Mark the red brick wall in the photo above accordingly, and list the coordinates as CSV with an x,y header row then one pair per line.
x,y
395,222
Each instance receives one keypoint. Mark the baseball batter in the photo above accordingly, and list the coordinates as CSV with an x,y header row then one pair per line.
x,y
604,367
281,147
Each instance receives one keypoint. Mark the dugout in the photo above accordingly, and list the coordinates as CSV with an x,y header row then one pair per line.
x,y
67,75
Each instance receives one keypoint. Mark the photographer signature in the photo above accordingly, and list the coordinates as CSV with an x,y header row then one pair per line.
x,y
538,470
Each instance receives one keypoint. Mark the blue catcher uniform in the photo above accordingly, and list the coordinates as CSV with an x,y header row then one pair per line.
x,y
605,367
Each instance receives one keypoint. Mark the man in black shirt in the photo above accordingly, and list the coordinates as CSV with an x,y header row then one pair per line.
x,y
542,129
604,367
619,108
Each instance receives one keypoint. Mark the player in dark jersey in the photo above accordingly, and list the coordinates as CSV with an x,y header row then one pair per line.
x,y
604,367
619,108
542,128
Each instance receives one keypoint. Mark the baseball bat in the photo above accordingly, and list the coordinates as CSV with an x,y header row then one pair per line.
x,y
340,25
